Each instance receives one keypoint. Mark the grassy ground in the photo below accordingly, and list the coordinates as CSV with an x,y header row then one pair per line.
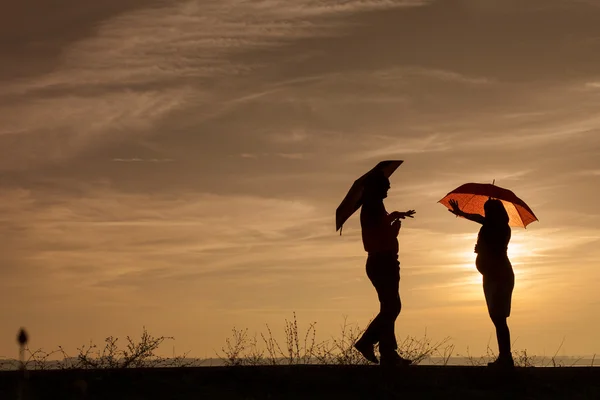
x,y
305,382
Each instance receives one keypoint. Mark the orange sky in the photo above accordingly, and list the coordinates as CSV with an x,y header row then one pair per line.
x,y
177,164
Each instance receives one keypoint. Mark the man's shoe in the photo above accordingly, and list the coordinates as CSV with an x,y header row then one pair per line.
x,y
394,360
502,362
367,350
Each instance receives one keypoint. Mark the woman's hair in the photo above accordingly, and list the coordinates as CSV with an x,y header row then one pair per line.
x,y
495,212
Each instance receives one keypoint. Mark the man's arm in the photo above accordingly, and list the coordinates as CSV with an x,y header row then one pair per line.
x,y
399,215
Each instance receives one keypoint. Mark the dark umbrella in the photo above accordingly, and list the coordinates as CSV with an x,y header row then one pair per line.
x,y
472,196
353,199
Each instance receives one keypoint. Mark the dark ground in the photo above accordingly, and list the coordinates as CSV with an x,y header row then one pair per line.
x,y
306,382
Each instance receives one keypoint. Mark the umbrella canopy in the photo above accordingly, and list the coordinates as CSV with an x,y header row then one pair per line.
x,y
353,199
472,196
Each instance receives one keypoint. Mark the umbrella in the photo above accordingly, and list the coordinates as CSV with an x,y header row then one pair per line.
x,y
472,196
353,199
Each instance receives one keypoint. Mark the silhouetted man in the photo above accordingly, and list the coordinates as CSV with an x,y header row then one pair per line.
x,y
380,239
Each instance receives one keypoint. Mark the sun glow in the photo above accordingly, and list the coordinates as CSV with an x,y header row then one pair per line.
x,y
517,252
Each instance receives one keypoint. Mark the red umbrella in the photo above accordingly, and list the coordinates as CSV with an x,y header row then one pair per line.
x,y
472,196
353,199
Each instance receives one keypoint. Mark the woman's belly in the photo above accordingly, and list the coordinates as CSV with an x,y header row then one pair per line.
x,y
494,265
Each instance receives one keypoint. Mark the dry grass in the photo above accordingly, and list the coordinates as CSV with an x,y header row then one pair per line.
x,y
241,348
303,348
136,354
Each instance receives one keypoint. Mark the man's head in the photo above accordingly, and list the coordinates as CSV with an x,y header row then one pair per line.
x,y
376,186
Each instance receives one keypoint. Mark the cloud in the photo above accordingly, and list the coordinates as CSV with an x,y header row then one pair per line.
x,y
291,156
51,130
445,75
124,226
592,85
589,172
386,146
295,136
157,51
144,65
288,156
156,160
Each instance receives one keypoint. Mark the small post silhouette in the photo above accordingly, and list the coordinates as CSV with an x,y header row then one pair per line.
x,y
22,339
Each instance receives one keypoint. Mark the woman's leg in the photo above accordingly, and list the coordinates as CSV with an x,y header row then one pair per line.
x,y
498,296
503,336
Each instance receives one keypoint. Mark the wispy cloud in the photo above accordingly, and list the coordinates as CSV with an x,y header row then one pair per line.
x,y
292,156
589,172
295,136
289,156
135,159
145,64
386,146
445,75
56,129
593,85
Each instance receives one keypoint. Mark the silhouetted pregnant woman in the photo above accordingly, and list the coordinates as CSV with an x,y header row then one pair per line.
x,y
498,276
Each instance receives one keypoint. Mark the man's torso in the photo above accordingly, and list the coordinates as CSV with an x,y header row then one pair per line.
x,y
377,234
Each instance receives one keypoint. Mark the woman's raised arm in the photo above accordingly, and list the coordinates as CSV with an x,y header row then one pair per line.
x,y
471,217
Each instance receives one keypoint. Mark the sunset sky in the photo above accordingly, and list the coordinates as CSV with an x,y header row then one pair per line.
x,y
177,165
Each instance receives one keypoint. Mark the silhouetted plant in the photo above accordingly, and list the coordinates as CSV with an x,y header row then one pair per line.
x,y
489,356
297,352
303,348
236,346
340,350
137,354
38,359
418,350
239,350
444,353
522,359
553,360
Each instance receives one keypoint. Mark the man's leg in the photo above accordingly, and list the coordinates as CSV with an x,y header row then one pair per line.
x,y
384,274
365,344
388,288
382,329
390,309
378,271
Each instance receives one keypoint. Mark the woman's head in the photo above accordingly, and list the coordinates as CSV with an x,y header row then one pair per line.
x,y
495,211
